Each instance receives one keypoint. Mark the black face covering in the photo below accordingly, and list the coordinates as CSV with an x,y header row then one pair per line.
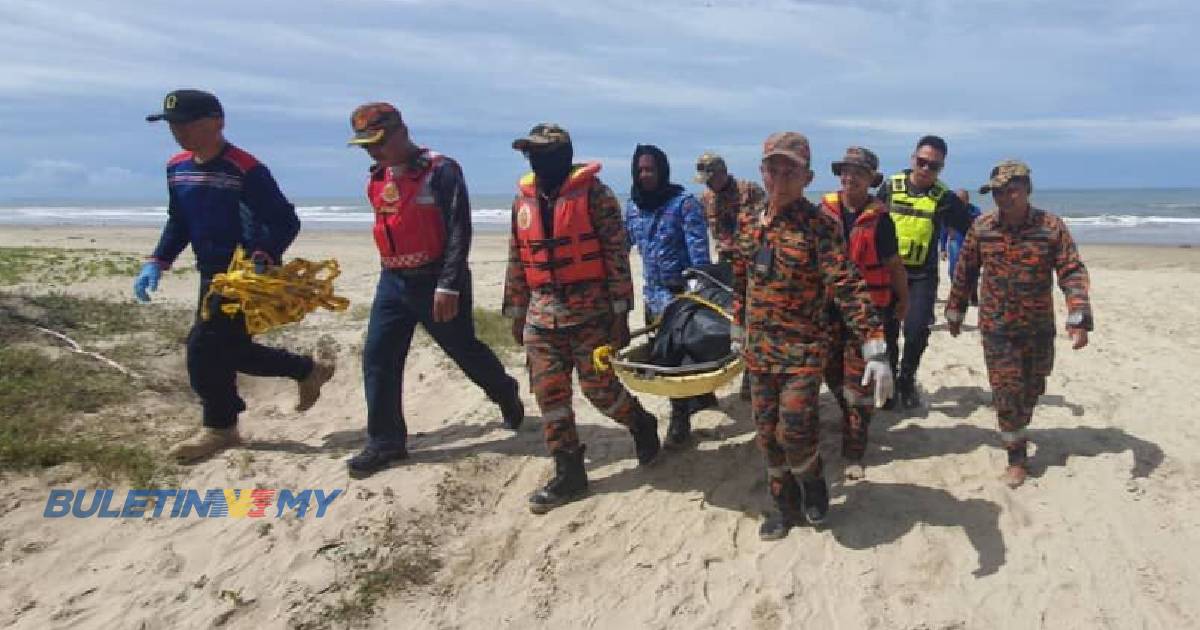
x,y
551,166
652,199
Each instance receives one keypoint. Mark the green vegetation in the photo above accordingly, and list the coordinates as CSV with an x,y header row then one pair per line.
x,y
494,329
57,406
53,265
40,397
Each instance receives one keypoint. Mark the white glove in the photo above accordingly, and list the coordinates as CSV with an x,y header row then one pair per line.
x,y
877,370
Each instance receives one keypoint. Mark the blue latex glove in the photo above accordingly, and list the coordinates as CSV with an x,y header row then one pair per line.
x,y
147,278
262,262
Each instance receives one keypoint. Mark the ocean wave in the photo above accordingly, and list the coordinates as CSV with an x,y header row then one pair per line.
x,y
1129,220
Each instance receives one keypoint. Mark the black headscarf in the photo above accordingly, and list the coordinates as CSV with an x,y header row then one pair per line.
x,y
652,199
551,166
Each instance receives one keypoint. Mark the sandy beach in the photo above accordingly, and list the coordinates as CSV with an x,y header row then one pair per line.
x,y
1104,535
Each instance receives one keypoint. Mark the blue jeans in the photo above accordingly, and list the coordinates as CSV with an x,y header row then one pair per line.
x,y
400,304
218,349
953,247
922,293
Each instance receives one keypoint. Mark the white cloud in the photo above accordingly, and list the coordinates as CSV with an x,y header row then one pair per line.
x,y
1123,130
65,178
688,75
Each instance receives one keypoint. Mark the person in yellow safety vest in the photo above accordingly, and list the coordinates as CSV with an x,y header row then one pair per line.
x,y
920,206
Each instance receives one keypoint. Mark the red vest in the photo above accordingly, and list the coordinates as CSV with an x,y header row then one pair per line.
x,y
573,254
862,246
409,230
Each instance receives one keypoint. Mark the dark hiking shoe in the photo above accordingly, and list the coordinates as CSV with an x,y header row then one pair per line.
x,y
372,460
569,483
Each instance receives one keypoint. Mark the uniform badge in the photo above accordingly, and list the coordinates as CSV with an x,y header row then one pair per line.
x,y
390,193
523,217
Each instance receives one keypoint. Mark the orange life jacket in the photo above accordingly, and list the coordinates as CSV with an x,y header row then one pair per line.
x,y
862,246
573,253
409,229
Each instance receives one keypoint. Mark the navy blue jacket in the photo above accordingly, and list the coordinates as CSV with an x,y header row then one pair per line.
x,y
227,201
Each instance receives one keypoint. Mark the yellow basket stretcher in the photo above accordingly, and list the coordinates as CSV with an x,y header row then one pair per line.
x,y
631,365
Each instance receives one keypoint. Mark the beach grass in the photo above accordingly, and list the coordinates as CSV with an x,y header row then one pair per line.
x,y
494,329
58,406
59,266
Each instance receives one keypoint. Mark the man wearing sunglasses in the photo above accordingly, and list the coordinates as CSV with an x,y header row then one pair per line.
x,y
1019,249
423,233
791,261
920,206
568,291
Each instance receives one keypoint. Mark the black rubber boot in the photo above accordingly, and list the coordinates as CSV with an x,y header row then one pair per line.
x,y
680,427
814,498
786,495
569,482
645,437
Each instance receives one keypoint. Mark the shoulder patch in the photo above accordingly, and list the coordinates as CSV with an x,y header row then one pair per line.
x,y
239,158
182,156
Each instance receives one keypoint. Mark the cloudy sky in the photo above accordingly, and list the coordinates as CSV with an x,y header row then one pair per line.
x,y
1092,93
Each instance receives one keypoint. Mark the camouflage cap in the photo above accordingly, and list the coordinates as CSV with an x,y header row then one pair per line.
x,y
541,136
707,165
789,144
372,121
1004,172
861,157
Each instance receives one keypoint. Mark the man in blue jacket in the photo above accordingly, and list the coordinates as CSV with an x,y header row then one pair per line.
x,y
220,197
668,226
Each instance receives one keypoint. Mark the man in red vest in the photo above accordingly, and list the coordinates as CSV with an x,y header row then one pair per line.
x,y
569,291
423,232
871,243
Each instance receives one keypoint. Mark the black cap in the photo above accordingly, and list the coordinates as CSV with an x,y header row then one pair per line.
x,y
182,106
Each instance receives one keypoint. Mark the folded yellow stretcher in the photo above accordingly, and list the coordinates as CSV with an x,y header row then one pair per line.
x,y
282,295
632,365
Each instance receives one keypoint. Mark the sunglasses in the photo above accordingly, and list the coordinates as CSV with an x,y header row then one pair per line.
x,y
931,165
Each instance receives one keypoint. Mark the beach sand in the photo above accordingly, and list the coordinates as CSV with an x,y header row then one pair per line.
x,y
1104,534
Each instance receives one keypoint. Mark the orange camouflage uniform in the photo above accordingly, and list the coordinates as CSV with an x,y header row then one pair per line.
x,y
1014,267
564,324
722,210
786,268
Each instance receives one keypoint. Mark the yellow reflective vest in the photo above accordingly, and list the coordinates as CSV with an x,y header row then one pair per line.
x,y
913,217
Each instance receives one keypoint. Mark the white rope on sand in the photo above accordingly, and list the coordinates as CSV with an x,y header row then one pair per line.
x,y
75,347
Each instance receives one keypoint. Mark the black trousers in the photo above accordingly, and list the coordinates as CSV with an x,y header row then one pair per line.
x,y
220,348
